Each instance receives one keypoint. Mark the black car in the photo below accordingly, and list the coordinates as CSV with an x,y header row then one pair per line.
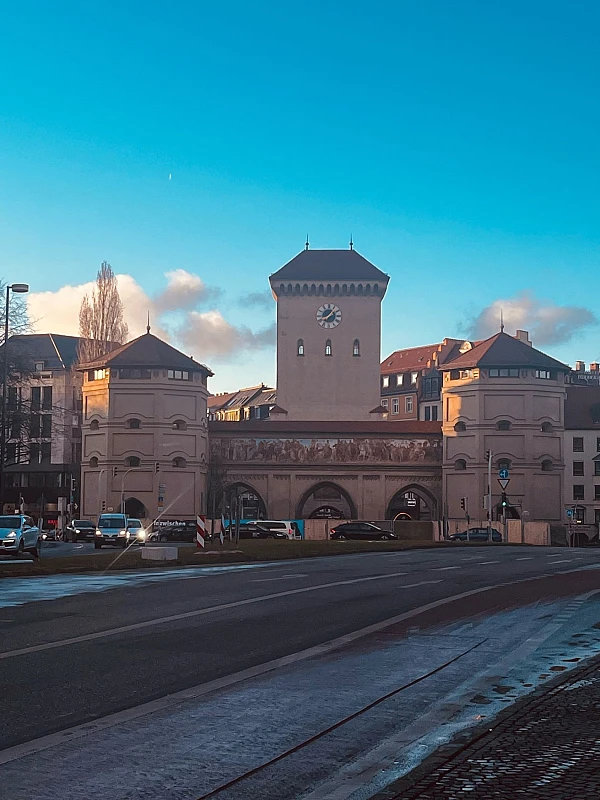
x,y
362,531
476,535
253,530
80,529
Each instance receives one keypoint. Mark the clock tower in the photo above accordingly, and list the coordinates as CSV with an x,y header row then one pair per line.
x,y
328,336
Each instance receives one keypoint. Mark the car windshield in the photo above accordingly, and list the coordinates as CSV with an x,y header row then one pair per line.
x,y
83,523
111,522
10,522
134,523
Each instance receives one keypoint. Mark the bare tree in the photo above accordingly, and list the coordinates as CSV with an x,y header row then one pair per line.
x,y
101,323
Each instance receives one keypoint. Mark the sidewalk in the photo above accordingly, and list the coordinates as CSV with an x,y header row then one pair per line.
x,y
544,747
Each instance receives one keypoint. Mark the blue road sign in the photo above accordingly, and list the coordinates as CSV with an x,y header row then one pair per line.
x,y
503,474
569,512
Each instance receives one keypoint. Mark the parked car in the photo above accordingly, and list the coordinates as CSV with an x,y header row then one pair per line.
x,y
111,529
18,535
362,531
50,535
137,532
476,535
289,527
256,530
80,529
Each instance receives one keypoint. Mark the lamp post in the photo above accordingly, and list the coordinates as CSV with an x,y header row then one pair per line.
x,y
17,288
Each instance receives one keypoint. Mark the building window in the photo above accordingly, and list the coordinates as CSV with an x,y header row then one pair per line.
x,y
578,468
328,347
385,381
427,413
47,398
356,348
300,347
46,452
132,461
596,467
97,374
179,425
547,427
94,424
547,465
11,453
431,388
179,463
580,514
503,425
596,492
503,372
39,366
395,405
434,413
545,374
177,375
34,453
408,405
35,426
578,444
46,426
578,491
413,378
460,427
400,379
136,374
133,423
504,463
93,462
384,403
460,464
598,445
36,394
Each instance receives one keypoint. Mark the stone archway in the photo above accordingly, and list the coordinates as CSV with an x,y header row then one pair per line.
x,y
412,502
135,508
326,500
253,506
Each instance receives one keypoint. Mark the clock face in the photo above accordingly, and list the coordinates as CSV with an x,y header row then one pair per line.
x,y
329,315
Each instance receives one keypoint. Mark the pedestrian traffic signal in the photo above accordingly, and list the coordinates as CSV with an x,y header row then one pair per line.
x,y
463,503
103,506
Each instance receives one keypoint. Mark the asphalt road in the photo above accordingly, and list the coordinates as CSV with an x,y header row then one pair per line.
x,y
226,620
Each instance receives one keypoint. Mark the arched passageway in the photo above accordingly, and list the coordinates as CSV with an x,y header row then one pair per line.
x,y
412,502
252,505
326,500
135,508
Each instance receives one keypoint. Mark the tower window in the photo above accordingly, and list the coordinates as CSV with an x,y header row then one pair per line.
x,y
300,347
547,427
133,423
460,464
460,427
356,348
503,425
328,347
547,465
132,461
179,463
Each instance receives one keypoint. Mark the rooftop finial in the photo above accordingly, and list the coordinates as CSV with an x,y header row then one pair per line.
x,y
501,320
307,243
351,243
148,325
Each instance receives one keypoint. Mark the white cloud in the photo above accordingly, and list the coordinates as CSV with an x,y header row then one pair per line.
x,y
547,323
209,333
183,291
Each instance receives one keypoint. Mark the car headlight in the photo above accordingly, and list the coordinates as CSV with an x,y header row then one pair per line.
x,y
77,531
11,535
98,533
122,533
141,535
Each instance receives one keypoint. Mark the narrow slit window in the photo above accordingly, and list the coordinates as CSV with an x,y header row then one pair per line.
x,y
356,348
328,347
300,347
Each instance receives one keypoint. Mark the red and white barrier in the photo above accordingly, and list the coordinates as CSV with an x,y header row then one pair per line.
x,y
200,532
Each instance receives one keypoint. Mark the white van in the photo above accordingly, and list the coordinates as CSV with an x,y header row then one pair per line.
x,y
286,526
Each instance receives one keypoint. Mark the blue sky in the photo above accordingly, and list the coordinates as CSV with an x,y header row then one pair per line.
x,y
456,141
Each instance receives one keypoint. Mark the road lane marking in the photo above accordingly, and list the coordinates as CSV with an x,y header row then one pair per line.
x,y
564,561
441,569
524,558
481,563
88,637
284,577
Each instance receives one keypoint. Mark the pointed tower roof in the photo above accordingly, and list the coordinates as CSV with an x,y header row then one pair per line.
x,y
329,265
147,351
502,350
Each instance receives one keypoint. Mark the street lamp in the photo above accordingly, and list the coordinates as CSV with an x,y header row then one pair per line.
x,y
17,288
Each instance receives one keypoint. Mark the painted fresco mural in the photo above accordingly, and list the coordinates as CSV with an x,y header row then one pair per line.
x,y
323,451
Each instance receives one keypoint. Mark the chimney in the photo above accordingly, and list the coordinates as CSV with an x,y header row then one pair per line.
x,y
594,367
580,366
523,336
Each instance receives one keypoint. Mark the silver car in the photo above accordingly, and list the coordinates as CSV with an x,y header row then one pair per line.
x,y
18,535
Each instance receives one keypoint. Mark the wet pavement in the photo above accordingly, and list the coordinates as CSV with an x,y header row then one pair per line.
x,y
546,747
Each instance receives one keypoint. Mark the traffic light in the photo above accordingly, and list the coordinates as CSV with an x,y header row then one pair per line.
x,y
463,503
156,466
504,502
73,484
115,469
103,506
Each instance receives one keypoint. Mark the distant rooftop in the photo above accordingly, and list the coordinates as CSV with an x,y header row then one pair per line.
x,y
147,351
329,265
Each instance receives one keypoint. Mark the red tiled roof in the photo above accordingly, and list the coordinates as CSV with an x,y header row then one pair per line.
x,y
264,427
409,359
218,400
502,350
582,407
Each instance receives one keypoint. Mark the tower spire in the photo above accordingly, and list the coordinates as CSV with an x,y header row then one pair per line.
x,y
148,325
501,320
307,243
351,243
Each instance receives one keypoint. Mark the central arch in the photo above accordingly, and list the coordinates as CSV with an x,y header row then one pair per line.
x,y
253,506
326,500
135,508
412,502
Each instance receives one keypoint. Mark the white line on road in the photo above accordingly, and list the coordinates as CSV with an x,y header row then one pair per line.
x,y
441,569
481,563
524,558
283,578
201,612
564,561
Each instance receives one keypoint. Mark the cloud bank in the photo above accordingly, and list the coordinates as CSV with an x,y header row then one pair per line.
x,y
547,323
176,315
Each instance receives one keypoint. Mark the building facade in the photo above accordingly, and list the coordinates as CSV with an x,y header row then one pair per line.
x,y
582,455
328,336
145,432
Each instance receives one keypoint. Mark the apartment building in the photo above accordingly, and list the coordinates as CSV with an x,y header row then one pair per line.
x,y
582,454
